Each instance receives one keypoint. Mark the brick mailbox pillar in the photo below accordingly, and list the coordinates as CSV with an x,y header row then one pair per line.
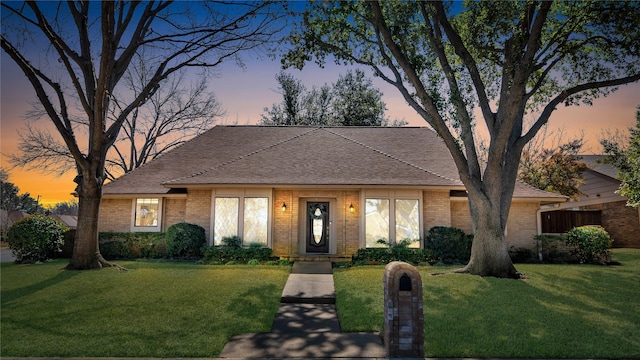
x,y
403,311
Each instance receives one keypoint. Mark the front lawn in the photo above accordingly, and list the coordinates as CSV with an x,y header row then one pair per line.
x,y
153,310
561,311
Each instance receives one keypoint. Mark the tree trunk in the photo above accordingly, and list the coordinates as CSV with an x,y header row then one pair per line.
x,y
86,253
489,252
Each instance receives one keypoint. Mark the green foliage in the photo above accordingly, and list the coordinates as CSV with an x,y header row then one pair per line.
x,y
132,245
392,252
232,241
522,255
627,160
185,241
36,238
593,244
351,101
449,244
557,169
553,248
10,200
233,252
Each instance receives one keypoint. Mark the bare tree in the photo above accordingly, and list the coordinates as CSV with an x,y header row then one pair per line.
x,y
93,44
173,115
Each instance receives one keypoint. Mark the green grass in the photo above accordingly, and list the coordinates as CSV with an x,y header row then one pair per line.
x,y
152,310
561,311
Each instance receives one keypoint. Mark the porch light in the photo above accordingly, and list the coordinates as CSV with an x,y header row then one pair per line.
x,y
351,208
284,207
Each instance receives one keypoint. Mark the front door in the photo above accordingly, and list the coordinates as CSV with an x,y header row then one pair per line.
x,y
317,227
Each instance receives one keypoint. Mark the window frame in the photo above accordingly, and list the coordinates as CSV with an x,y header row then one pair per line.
x,y
241,195
391,196
158,227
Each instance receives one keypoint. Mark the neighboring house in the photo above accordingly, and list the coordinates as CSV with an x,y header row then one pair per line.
x,y
307,191
599,204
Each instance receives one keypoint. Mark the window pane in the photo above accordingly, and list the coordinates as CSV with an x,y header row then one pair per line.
x,y
376,221
256,212
408,221
146,212
225,222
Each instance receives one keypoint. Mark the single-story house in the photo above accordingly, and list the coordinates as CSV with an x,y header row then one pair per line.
x,y
307,191
598,204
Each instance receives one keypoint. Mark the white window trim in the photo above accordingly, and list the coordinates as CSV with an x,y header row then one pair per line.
x,y
392,196
157,228
241,194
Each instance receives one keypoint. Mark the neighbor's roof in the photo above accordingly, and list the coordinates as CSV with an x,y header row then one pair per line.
x,y
596,163
300,155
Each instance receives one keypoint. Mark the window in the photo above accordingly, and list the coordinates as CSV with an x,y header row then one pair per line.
x,y
246,217
225,219
392,220
146,214
408,221
376,221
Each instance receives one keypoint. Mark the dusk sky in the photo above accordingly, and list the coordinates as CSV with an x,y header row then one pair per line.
x,y
245,93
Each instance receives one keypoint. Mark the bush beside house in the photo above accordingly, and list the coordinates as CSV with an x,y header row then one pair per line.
x,y
36,238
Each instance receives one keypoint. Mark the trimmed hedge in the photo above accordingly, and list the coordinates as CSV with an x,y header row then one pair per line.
x,y
592,244
132,245
185,241
253,255
393,252
449,245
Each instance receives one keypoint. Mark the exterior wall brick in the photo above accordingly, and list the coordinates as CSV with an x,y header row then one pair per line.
x,y
198,209
115,215
174,212
621,222
436,209
461,216
522,224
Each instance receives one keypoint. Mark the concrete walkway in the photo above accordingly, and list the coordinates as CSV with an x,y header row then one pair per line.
x,y
306,325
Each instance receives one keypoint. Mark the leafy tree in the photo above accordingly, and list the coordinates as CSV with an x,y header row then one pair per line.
x,y
627,160
11,200
351,101
506,60
555,169
93,44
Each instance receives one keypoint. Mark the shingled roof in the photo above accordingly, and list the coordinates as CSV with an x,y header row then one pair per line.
x,y
301,156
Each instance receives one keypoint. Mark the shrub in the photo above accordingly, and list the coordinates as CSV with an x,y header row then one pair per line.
x,y
392,252
592,244
522,255
232,241
553,248
185,241
449,244
132,245
36,238
232,251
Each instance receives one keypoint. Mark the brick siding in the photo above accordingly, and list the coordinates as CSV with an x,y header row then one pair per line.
x,y
198,209
115,215
621,222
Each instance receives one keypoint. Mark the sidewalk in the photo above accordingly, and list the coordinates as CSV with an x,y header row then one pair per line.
x,y
306,325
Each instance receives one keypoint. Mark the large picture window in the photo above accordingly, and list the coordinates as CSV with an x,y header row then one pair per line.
x,y
245,217
392,220
146,214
